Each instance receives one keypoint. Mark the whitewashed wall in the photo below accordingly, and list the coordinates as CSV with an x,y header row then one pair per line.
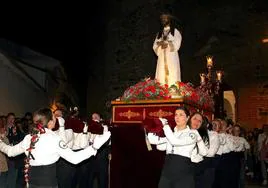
x,y
18,94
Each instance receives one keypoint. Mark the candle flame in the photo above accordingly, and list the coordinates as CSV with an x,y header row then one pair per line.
x,y
265,40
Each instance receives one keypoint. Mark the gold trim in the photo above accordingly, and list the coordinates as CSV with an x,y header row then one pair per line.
x,y
171,101
127,121
129,114
171,46
148,105
166,67
144,114
160,113
113,115
139,106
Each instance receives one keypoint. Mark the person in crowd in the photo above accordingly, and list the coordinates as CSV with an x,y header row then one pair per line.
x,y
98,166
250,162
78,141
263,153
178,170
43,149
239,154
204,169
3,158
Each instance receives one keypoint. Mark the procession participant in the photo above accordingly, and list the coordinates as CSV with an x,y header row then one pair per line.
x,y
99,164
178,167
239,156
224,176
79,141
76,141
204,169
43,148
64,168
262,152
216,127
3,158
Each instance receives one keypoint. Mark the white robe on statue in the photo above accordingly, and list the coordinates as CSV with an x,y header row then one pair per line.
x,y
168,62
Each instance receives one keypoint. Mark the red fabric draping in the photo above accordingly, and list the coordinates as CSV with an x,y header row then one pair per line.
x,y
132,165
154,125
95,127
75,124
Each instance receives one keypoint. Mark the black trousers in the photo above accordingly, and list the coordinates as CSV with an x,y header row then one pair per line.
x,y
178,172
80,178
204,173
98,168
65,173
43,176
39,186
227,171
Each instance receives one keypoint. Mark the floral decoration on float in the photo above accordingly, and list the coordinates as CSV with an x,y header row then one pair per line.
x,y
151,89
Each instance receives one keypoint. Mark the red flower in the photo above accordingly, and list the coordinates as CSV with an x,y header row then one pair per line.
x,y
147,94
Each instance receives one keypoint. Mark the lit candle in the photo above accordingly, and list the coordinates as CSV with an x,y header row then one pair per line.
x,y
209,62
219,75
265,40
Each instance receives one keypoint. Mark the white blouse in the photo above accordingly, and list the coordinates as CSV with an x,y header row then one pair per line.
x,y
179,142
49,148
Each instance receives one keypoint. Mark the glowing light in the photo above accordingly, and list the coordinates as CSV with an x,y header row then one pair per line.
x,y
265,40
209,61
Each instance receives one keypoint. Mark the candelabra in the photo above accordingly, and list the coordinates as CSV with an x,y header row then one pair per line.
x,y
211,82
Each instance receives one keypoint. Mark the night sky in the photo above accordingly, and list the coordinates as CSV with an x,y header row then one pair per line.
x,y
65,35
73,35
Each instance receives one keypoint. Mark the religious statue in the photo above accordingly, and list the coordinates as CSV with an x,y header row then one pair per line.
x,y
166,46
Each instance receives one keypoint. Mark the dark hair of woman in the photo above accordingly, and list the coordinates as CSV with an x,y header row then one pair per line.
x,y
242,131
184,109
203,131
209,124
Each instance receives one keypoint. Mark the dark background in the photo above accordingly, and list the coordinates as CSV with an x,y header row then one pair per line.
x,y
66,34
75,35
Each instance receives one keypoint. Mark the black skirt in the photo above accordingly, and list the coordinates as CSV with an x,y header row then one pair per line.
x,y
204,173
43,176
178,172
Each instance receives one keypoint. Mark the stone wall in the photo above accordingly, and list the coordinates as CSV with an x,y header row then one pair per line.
x,y
252,106
207,29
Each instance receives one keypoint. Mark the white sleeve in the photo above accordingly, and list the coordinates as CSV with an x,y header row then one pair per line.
x,y
81,140
238,144
61,133
195,156
74,157
182,141
92,137
153,139
17,149
222,138
246,144
214,144
161,147
202,148
260,140
66,135
176,40
69,135
232,144
156,47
